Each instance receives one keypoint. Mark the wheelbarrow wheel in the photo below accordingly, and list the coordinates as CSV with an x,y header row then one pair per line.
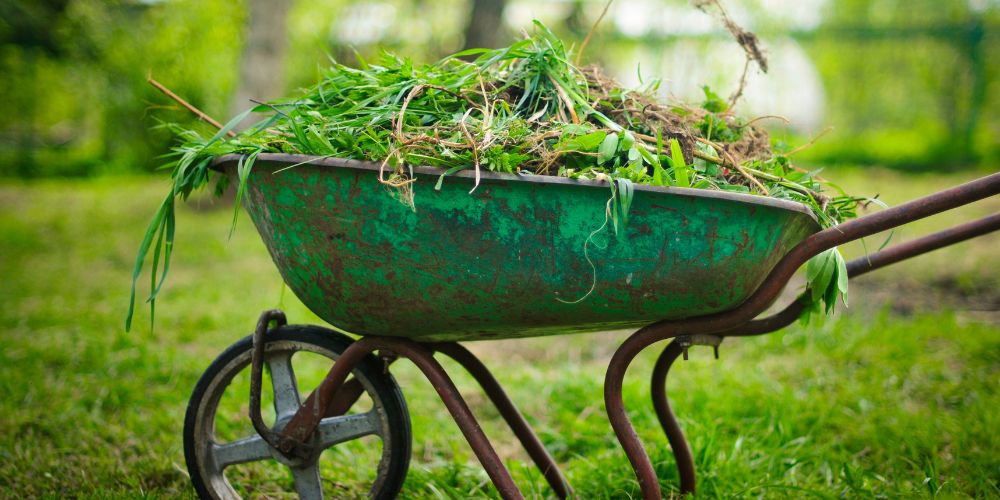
x,y
226,458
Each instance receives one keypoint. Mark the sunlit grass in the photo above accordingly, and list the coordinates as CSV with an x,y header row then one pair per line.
x,y
868,404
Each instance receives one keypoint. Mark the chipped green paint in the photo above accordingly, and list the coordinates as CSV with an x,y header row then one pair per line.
x,y
494,263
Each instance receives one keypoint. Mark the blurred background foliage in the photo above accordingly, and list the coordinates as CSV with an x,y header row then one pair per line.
x,y
911,84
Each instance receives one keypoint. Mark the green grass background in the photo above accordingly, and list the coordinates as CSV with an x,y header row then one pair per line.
x,y
899,397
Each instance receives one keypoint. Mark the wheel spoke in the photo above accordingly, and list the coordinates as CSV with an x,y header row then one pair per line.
x,y
250,449
334,430
307,482
286,391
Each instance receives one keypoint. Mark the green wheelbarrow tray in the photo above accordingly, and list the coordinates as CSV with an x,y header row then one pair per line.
x,y
508,259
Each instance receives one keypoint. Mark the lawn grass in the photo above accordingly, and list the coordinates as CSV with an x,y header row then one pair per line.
x,y
871,403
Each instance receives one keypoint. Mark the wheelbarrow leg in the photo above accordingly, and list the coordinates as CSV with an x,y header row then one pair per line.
x,y
614,404
649,484
304,423
546,464
672,428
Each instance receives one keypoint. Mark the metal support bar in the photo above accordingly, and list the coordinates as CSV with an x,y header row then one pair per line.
x,y
344,399
536,450
686,341
303,423
256,381
350,393
668,421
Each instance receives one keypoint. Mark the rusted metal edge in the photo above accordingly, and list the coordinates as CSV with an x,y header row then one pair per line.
x,y
284,160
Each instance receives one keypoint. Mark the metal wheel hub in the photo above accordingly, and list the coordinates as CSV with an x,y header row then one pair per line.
x,y
293,459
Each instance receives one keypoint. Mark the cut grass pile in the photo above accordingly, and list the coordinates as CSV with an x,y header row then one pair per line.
x,y
868,404
525,109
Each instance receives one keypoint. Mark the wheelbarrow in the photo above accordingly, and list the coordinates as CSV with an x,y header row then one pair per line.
x,y
505,261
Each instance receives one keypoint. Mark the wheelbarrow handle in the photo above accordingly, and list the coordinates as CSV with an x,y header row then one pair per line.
x,y
861,227
871,262
920,246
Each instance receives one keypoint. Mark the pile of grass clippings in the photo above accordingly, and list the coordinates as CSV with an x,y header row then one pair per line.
x,y
524,109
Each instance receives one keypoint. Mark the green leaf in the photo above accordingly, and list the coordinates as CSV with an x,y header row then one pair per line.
x,y
658,176
621,192
633,154
680,168
586,142
628,140
819,273
243,172
887,240
826,278
813,267
810,310
227,127
167,235
648,156
575,129
362,63
609,146
140,257
842,277
468,52
830,297
713,102
452,170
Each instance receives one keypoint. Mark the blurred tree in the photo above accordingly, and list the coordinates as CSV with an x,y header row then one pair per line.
x,y
262,63
30,26
484,28
74,73
32,23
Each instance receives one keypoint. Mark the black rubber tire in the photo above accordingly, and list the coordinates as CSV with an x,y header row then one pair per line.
x,y
370,368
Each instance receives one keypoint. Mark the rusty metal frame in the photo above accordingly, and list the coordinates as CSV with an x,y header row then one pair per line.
x,y
333,396
788,315
329,394
728,323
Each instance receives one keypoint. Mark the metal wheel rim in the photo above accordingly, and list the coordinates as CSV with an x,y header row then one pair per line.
x,y
213,458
